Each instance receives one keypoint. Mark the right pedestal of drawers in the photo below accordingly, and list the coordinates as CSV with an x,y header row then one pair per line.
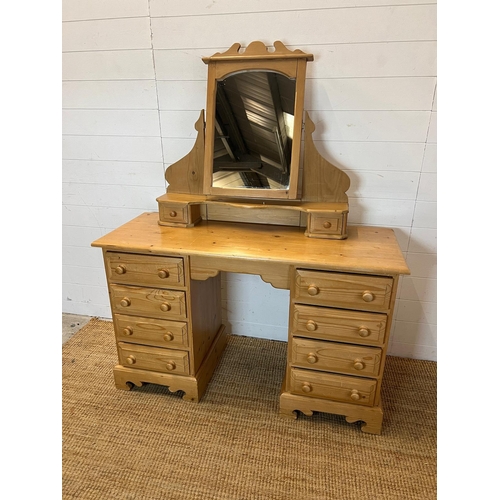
x,y
338,337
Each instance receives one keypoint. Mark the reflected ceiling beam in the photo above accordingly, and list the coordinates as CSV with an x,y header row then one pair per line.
x,y
224,138
227,112
280,129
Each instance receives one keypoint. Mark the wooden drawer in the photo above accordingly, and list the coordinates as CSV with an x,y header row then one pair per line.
x,y
153,358
326,223
134,300
354,291
334,357
146,270
155,332
313,384
337,324
174,212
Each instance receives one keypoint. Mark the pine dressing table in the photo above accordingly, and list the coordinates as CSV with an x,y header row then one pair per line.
x,y
240,202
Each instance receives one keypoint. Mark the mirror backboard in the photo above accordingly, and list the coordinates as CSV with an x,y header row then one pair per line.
x,y
254,122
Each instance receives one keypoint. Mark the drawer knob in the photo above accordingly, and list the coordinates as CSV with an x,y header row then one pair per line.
x,y
368,296
128,331
363,332
125,302
165,307
313,290
358,364
311,325
312,358
170,366
131,360
306,387
163,273
168,337
120,269
355,395
327,225
173,213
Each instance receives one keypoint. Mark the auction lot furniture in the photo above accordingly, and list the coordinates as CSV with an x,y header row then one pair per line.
x,y
240,202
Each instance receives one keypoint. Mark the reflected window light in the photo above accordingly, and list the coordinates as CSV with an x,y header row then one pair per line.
x,y
288,124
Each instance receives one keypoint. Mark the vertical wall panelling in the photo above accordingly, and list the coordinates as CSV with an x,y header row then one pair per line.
x,y
134,84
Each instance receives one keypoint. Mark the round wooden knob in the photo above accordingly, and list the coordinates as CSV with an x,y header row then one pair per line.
x,y
355,395
313,290
311,325
306,387
368,296
125,302
312,358
173,213
131,360
170,366
358,364
327,225
163,273
168,337
120,269
128,331
165,307
363,332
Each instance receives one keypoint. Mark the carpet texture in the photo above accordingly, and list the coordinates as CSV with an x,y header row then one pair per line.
x,y
149,444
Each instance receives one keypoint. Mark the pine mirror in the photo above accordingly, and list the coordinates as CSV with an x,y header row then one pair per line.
x,y
255,102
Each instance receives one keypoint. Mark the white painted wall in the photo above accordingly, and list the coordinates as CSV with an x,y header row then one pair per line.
x,y
133,86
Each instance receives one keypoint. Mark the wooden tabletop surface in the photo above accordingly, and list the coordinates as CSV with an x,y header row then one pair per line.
x,y
367,249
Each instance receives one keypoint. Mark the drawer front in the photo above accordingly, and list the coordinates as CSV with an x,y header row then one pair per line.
x,y
370,293
355,390
146,270
326,223
155,332
343,358
153,358
337,324
163,304
174,212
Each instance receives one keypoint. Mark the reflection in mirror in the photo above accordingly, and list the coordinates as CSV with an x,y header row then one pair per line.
x,y
253,130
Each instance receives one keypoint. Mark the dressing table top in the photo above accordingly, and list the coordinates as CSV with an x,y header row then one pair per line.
x,y
372,250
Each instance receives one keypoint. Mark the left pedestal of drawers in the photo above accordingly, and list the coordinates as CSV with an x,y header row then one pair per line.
x,y
167,327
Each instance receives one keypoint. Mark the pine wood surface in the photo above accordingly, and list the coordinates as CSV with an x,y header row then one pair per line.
x,y
332,386
154,302
151,331
326,323
336,357
154,358
151,271
371,250
324,288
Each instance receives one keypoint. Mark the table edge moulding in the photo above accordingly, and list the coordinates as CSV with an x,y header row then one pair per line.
x,y
282,217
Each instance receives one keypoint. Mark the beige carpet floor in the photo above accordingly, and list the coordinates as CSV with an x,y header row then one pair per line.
x,y
149,444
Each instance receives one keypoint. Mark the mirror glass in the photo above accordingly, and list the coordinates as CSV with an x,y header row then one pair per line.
x,y
254,116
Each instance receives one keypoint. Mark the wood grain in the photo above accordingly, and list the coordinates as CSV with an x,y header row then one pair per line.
x,y
331,386
154,358
150,331
143,301
144,270
336,357
372,250
344,290
326,323
186,175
